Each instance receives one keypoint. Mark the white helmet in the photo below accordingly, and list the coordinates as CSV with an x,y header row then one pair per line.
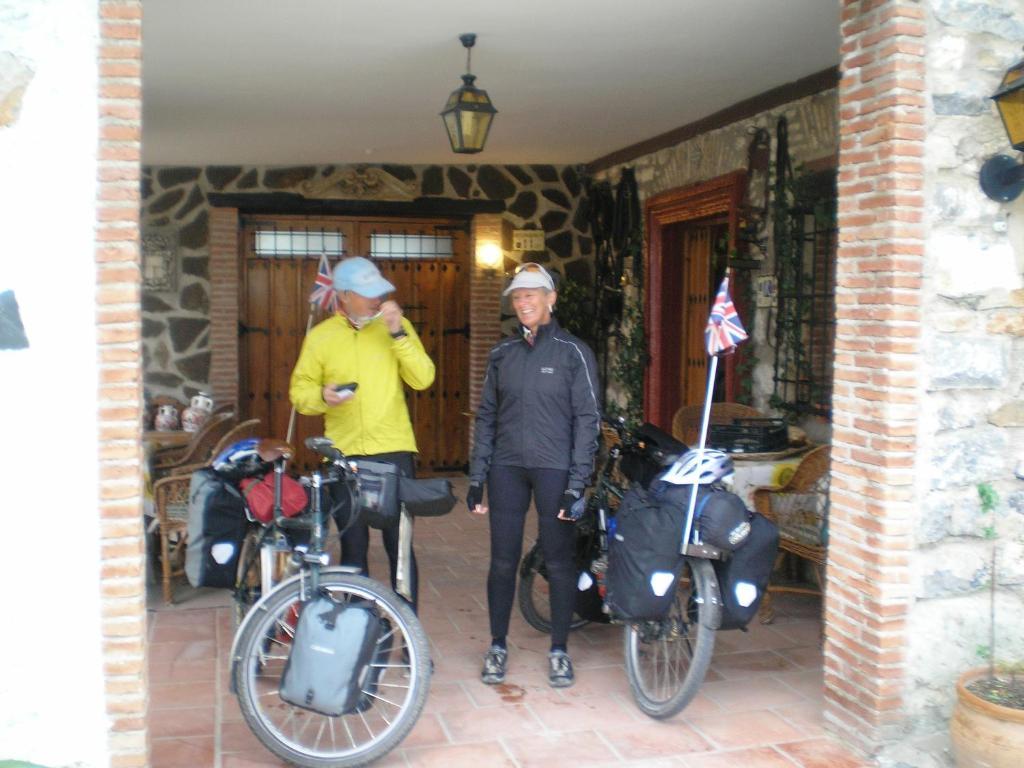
x,y
714,466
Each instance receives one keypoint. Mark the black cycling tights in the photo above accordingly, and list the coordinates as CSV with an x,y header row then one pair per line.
x,y
508,495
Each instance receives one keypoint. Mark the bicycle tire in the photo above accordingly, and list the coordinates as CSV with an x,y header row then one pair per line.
x,y
305,738
685,637
531,603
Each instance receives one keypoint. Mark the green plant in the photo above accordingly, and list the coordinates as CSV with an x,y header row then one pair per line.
x,y
630,362
1004,682
576,311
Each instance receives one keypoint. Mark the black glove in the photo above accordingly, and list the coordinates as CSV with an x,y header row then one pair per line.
x,y
474,496
572,504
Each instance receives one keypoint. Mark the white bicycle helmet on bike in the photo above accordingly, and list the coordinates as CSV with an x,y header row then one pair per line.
x,y
240,459
702,468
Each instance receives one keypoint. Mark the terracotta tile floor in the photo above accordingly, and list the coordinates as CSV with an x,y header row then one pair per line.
x,y
760,706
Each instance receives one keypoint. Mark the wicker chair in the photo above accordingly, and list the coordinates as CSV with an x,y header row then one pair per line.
x,y
199,449
800,509
686,421
170,502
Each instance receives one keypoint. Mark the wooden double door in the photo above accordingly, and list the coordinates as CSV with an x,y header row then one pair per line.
x,y
428,263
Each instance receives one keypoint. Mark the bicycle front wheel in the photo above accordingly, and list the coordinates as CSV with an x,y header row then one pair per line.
x,y
666,660
395,693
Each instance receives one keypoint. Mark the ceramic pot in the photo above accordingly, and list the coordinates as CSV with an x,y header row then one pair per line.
x,y
985,735
166,419
197,412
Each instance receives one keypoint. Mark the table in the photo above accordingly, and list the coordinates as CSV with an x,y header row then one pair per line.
x,y
754,470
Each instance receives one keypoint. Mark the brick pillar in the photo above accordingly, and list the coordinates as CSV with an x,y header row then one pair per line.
x,y
119,324
876,397
224,285
484,305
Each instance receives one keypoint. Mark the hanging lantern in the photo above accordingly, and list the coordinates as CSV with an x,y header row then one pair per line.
x,y
1002,178
469,112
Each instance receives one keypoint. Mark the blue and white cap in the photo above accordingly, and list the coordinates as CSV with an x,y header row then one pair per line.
x,y
361,276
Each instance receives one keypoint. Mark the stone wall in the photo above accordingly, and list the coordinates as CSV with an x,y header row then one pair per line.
x,y
812,133
972,370
175,325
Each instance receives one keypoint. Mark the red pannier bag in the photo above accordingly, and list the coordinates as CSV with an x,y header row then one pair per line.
x,y
259,496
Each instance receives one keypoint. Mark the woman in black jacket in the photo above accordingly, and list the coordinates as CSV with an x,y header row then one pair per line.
x,y
536,434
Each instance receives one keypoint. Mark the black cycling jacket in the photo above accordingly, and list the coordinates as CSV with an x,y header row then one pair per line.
x,y
539,407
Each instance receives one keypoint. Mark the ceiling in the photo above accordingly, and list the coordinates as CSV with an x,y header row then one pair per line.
x,y
275,82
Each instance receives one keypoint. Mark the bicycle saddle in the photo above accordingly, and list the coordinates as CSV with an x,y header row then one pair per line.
x,y
271,449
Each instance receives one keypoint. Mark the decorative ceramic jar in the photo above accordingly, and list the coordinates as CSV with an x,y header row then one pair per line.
x,y
166,419
197,413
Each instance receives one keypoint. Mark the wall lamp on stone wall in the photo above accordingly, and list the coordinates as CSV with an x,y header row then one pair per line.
x,y
1002,178
469,112
489,257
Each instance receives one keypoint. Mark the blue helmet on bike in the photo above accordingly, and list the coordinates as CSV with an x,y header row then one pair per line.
x,y
241,459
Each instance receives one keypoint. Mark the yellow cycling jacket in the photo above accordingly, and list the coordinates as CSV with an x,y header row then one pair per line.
x,y
376,420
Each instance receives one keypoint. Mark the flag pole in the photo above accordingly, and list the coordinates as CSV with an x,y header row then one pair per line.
x,y
712,372
291,417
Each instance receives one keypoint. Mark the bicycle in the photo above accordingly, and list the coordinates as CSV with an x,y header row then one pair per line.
x,y
666,660
394,685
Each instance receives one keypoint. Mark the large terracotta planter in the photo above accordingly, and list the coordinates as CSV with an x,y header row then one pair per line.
x,y
985,735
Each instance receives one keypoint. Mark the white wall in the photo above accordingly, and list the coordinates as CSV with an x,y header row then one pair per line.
x,y
51,686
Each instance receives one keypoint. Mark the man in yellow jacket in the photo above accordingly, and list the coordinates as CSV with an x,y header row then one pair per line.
x,y
369,343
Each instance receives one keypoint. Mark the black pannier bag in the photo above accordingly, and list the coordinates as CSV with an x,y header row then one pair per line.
x,y
720,516
378,493
644,560
430,497
743,578
330,658
216,529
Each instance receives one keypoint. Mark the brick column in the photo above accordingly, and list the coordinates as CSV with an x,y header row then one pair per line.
x,y
224,285
119,323
876,391
484,306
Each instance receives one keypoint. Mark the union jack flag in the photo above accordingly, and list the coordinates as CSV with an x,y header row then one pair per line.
x,y
323,288
724,330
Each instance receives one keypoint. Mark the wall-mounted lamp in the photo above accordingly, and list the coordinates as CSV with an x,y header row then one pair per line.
x,y
469,111
1002,178
489,257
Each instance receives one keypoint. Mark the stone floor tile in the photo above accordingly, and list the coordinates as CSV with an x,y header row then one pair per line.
x,y
470,725
551,750
655,739
755,728
489,754
181,752
763,757
821,753
194,721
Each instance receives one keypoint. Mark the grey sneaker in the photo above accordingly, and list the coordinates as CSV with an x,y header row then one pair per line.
x,y
560,674
495,663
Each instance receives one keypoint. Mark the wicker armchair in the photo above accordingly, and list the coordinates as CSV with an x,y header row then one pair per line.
x,y
170,502
686,421
800,509
199,449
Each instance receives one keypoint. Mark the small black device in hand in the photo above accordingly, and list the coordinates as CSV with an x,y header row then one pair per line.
x,y
351,386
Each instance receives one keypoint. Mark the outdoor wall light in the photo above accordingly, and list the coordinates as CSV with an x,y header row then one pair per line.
x,y
1002,178
489,257
469,112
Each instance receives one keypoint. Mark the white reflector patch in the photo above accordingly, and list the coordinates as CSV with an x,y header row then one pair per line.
x,y
585,582
222,552
661,581
746,593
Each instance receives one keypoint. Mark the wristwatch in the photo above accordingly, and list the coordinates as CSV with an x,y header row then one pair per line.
x,y
399,334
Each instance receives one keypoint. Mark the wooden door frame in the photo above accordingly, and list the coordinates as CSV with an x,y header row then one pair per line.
x,y
718,196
